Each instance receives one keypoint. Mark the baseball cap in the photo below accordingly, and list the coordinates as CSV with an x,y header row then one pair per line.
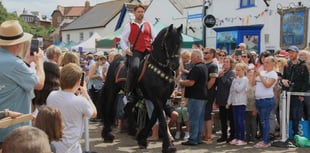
x,y
293,48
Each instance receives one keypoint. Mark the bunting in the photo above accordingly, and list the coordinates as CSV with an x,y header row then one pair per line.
x,y
245,20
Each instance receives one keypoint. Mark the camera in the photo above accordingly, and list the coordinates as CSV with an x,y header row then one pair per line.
x,y
34,46
82,79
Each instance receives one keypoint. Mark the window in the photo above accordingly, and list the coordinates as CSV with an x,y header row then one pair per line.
x,y
247,3
81,36
68,37
91,34
228,38
58,19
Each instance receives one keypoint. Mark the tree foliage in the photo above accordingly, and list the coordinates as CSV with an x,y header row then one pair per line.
x,y
39,31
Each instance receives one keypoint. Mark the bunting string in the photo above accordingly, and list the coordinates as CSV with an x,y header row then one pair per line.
x,y
245,20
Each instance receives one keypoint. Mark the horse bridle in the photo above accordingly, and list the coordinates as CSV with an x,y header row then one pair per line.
x,y
168,57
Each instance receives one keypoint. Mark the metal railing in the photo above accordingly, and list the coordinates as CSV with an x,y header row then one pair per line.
x,y
285,112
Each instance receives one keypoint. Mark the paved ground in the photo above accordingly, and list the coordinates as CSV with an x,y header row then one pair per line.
x,y
126,144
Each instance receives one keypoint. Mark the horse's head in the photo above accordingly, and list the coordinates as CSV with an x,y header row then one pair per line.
x,y
168,43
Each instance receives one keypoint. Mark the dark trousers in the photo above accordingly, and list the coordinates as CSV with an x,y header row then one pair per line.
x,y
134,64
296,111
251,125
94,94
225,116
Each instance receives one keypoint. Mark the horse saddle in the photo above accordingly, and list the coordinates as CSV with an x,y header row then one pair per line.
x,y
122,70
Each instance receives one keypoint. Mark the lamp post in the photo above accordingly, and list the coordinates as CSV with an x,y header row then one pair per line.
x,y
205,5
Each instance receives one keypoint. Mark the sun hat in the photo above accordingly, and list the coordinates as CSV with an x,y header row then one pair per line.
x,y
293,48
11,33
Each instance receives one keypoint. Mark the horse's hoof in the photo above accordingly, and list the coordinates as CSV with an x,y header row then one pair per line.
x,y
142,144
108,138
170,150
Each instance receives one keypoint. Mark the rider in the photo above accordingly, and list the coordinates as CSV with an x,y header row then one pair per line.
x,y
136,44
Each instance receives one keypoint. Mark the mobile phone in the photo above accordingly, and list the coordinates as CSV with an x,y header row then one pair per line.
x,y
82,79
238,52
34,46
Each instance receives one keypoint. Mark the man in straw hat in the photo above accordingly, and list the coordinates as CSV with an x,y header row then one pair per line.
x,y
17,80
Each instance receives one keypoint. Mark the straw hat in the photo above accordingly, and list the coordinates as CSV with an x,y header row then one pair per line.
x,y
11,33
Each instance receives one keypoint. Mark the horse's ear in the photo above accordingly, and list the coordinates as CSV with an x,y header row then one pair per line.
x,y
170,27
180,28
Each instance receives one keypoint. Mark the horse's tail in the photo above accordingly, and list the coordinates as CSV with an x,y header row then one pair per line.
x,y
108,94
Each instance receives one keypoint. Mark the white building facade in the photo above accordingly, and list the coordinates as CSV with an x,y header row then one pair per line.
x,y
283,23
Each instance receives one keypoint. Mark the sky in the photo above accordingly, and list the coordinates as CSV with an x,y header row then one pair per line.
x,y
45,7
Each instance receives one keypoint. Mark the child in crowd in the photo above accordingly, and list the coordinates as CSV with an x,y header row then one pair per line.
x,y
250,114
54,127
73,108
238,99
185,66
183,118
26,139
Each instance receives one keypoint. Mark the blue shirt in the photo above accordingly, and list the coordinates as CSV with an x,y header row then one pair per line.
x,y
16,87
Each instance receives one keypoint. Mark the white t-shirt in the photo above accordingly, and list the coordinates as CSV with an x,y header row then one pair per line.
x,y
261,92
73,108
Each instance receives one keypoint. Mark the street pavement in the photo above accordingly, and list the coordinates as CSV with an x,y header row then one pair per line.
x,y
127,144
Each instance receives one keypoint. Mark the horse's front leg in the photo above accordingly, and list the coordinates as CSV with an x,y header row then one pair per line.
x,y
167,147
143,134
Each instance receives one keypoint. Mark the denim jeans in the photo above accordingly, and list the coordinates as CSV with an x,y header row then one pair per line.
x,y
296,111
239,121
196,110
264,108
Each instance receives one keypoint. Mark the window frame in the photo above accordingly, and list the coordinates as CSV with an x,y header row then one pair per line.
x,y
68,37
81,36
248,4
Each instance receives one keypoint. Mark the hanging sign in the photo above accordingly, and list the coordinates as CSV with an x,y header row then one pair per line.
x,y
209,21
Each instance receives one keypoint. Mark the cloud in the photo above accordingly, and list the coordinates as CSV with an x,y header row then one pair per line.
x,y
45,7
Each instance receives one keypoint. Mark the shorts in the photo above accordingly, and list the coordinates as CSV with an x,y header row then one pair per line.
x,y
168,109
208,111
183,114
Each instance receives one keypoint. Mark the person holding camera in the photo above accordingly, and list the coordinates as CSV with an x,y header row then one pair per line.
x,y
73,108
295,79
17,79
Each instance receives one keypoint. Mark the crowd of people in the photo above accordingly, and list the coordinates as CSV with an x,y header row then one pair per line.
x,y
246,92
63,88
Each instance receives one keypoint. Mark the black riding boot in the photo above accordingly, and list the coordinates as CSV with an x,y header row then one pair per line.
x,y
129,86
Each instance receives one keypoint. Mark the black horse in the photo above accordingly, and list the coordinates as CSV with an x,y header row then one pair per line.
x,y
156,82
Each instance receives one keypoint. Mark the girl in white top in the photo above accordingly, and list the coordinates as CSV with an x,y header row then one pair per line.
x,y
264,95
238,99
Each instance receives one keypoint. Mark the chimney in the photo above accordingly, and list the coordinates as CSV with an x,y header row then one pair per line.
x,y
87,6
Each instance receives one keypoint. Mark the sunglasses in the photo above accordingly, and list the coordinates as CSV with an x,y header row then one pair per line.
x,y
222,55
206,53
244,56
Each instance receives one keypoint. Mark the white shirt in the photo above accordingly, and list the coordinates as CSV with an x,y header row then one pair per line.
x,y
73,108
261,92
125,44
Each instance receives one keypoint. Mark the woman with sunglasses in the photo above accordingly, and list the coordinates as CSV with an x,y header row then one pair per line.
x,y
247,58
